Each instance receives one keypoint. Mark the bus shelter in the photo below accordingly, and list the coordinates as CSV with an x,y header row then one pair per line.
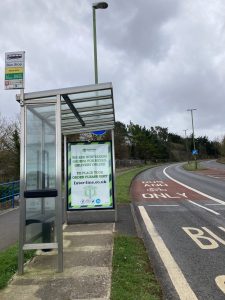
x,y
48,118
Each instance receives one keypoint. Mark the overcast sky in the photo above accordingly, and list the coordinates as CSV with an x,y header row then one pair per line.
x,y
162,56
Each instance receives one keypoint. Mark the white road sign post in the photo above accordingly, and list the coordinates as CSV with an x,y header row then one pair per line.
x,y
14,70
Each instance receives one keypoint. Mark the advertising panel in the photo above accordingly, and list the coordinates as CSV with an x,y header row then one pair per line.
x,y
89,175
14,70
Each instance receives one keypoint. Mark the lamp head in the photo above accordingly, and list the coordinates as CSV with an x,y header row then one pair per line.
x,y
100,5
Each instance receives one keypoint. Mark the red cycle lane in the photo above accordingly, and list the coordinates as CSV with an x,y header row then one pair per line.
x,y
162,191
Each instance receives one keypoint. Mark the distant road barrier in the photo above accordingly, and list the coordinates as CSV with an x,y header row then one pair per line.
x,y
9,194
125,163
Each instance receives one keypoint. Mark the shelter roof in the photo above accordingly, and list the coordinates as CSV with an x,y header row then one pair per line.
x,y
83,109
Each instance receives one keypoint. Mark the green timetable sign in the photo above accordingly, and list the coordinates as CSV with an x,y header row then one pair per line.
x,y
13,76
90,176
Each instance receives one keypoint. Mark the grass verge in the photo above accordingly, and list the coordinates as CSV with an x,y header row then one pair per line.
x,y
191,166
123,182
9,263
132,276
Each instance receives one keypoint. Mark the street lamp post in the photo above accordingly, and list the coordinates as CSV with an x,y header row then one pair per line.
x,y
193,133
98,5
185,133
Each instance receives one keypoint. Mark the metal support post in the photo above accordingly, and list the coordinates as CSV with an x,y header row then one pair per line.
x,y
114,173
58,184
65,178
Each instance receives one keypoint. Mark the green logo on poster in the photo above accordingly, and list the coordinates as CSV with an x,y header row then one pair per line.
x,y
90,191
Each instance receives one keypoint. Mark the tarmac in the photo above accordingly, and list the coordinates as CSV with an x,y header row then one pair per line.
x,y
88,251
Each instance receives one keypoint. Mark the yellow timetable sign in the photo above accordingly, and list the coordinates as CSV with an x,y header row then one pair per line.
x,y
10,70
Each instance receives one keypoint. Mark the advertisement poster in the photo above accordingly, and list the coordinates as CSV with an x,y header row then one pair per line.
x,y
90,175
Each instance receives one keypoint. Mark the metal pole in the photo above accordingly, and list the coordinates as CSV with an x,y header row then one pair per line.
x,y
114,173
22,206
65,179
59,206
193,134
192,121
95,45
185,133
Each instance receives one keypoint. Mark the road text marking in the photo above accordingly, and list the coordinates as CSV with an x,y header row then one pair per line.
x,y
181,285
202,240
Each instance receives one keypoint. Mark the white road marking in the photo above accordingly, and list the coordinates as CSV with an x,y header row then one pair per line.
x,y
217,176
220,281
192,189
208,209
214,204
162,205
180,283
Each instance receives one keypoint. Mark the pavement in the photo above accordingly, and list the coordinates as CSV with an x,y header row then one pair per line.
x,y
88,250
9,227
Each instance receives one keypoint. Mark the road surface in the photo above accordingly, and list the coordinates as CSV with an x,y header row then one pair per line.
x,y
9,228
182,217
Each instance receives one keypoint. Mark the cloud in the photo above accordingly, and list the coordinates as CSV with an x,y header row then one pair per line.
x,y
138,27
162,56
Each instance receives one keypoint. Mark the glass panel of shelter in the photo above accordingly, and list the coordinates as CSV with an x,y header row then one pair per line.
x,y
40,172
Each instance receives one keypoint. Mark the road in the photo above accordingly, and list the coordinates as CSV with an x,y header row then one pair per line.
x,y
9,228
182,218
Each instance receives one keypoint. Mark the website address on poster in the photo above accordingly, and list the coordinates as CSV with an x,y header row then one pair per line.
x,y
90,182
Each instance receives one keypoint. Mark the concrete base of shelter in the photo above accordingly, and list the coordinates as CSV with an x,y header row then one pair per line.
x,y
88,250
91,216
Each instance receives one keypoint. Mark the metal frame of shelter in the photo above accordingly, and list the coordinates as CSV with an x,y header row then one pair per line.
x,y
46,116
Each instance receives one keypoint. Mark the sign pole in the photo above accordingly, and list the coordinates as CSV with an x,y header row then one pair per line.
x,y
14,79
22,187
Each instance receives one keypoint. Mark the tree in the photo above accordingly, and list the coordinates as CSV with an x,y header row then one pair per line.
x,y
148,144
121,141
9,149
